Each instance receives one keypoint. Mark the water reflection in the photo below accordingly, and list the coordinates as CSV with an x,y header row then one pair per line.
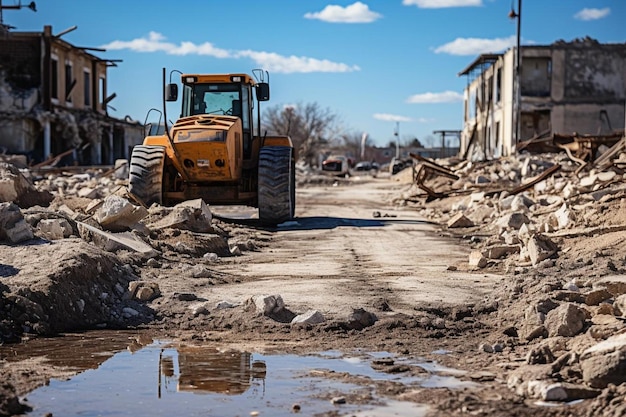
x,y
128,374
206,369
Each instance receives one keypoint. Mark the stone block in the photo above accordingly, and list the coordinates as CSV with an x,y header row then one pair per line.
x,y
477,260
566,320
309,317
459,220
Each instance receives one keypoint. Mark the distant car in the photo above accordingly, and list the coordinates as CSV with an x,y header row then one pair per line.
x,y
337,165
366,166
398,165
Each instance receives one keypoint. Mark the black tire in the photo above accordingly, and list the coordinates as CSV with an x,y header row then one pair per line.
x,y
277,184
145,180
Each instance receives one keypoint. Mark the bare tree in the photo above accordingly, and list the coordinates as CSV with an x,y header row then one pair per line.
x,y
308,125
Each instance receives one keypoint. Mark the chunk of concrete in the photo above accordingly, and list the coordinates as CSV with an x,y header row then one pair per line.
x,y
117,214
268,304
193,215
309,317
512,220
499,251
605,362
13,227
459,220
16,188
540,247
566,320
54,229
477,260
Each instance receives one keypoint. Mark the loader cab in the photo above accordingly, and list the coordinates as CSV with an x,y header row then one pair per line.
x,y
220,95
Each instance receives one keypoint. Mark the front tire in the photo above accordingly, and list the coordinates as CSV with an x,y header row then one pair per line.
x,y
277,184
145,179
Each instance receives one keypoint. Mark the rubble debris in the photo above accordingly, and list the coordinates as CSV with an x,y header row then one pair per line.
x,y
605,362
459,220
13,227
193,215
427,168
16,188
309,317
117,214
113,241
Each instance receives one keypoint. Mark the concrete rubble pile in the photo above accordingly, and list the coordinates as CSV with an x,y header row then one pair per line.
x,y
86,219
561,244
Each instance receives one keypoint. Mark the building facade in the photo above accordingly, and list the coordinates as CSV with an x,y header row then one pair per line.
x,y
54,98
566,88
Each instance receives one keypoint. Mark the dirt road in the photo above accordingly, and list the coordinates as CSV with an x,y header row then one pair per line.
x,y
347,249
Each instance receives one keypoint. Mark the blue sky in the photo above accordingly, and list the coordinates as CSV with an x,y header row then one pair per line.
x,y
372,62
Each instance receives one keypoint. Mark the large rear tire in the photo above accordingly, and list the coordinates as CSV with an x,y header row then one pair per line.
x,y
277,184
145,180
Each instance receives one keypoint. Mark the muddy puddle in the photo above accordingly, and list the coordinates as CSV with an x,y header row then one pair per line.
x,y
122,374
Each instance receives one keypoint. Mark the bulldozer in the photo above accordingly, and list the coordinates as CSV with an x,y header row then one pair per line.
x,y
215,150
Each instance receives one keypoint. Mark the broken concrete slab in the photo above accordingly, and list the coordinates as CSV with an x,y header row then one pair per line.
x,y
16,188
540,248
605,362
112,241
566,320
309,317
191,215
116,214
459,220
54,229
500,251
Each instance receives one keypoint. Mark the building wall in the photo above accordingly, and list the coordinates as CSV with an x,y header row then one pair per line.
x,y
576,87
72,65
20,57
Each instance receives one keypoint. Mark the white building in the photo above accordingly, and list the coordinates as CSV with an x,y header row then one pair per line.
x,y
566,88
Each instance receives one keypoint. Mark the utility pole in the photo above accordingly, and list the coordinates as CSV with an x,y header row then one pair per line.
x,y
18,6
397,135
517,106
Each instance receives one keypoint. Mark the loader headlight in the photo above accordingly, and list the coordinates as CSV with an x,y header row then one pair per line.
x,y
190,80
235,79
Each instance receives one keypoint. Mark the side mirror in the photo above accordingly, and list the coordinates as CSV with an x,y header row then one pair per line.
x,y
171,92
263,91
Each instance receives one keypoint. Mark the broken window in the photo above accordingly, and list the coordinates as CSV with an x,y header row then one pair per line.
x,y
102,93
498,84
536,77
87,83
69,81
54,78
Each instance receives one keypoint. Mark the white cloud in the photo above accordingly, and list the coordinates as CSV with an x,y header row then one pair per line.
x,y
440,4
475,46
355,13
592,14
391,117
290,64
425,120
156,42
445,97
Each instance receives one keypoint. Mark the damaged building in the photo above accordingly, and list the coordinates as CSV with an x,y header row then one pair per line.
x,y
54,99
568,90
